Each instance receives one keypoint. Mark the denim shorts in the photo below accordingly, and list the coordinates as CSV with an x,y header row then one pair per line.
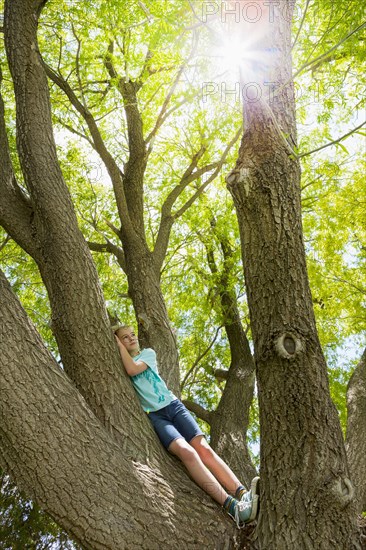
x,y
174,421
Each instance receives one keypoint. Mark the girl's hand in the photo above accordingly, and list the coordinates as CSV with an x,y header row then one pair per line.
x,y
119,343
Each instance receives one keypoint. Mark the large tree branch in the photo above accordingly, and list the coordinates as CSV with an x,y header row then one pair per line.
x,y
356,435
136,165
16,211
198,173
229,425
167,218
66,265
221,374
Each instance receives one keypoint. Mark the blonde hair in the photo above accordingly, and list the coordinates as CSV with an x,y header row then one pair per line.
x,y
116,328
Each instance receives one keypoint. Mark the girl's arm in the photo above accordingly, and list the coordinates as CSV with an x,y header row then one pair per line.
x,y
131,367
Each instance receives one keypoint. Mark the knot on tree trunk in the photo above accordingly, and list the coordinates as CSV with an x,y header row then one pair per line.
x,y
236,176
288,345
343,491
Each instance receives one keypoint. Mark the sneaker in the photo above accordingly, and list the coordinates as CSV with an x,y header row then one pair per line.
x,y
246,510
254,490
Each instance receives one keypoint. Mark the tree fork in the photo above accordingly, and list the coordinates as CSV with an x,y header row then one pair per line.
x,y
99,491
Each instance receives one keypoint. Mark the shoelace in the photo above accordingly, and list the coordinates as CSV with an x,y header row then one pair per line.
x,y
240,507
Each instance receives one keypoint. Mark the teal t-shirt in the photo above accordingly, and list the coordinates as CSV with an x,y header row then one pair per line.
x,y
150,387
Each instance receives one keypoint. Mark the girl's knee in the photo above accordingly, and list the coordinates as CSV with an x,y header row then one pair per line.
x,y
204,451
183,451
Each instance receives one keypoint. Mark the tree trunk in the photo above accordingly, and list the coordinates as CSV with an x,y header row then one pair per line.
x,y
307,500
153,323
139,264
356,433
104,494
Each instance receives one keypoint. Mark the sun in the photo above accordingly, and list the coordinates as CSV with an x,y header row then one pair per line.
x,y
232,53
236,58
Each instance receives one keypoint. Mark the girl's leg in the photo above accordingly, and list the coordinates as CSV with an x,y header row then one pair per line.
x,y
215,464
197,470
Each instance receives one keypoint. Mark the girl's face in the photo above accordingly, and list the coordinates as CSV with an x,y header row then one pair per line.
x,y
129,340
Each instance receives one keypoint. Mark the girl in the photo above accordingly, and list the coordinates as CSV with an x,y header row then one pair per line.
x,y
180,433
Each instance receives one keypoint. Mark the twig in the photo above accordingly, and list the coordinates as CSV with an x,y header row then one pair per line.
x,y
301,24
332,142
200,357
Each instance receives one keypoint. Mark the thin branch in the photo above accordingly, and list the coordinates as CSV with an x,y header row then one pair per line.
x,y
109,248
113,228
198,410
163,115
160,120
315,62
77,63
301,24
200,357
190,238
98,144
347,282
333,142
190,175
326,54
5,242
218,165
104,115
145,10
73,131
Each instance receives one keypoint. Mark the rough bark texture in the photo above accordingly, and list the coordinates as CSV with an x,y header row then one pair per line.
x,y
356,432
103,493
307,500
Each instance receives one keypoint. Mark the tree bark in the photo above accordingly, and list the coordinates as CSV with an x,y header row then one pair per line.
x,y
356,433
104,494
307,500
140,265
